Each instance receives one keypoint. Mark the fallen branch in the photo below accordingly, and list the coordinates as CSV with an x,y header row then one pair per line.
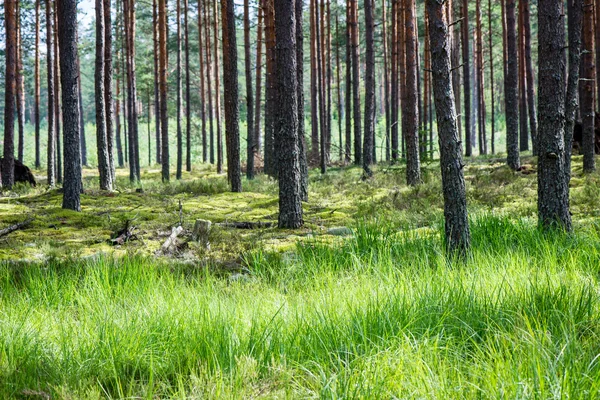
x,y
124,235
171,243
246,225
15,227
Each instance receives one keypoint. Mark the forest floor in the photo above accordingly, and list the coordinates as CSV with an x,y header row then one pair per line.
x,y
360,303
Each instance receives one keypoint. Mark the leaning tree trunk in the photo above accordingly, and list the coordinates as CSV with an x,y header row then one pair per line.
x,y
511,97
8,176
553,181
230,80
456,227
587,90
286,131
69,75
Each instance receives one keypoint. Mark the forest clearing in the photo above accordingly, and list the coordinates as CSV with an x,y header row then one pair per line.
x,y
375,199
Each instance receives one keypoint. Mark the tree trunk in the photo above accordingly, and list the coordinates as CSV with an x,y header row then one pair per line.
x,y
8,176
271,95
231,86
492,104
209,78
523,127
108,89
179,94
575,15
51,162
156,51
259,40
99,75
394,78
57,111
250,146
480,82
300,93
410,110
201,50
188,111
20,86
82,141
347,148
314,111
553,177
69,75
36,107
355,82
587,90
369,90
164,116
511,89
321,89
466,58
456,227
217,91
530,78
386,82
132,108
290,204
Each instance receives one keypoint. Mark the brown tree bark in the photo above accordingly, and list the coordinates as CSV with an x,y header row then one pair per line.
x,y
108,89
348,144
394,79
201,51
529,76
157,108
69,75
575,15
132,108
250,146
188,110
231,86
57,103
259,76
303,162
410,112
217,90
314,110
10,21
523,127
466,59
480,82
164,117
369,133
51,148
270,167
20,87
553,177
587,89
290,204
36,106
321,86
456,227
492,104
209,77
386,82
355,82
179,161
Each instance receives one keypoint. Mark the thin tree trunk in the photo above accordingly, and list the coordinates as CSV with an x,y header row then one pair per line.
x,y
157,108
492,104
320,87
20,87
69,66
386,82
57,103
209,78
587,89
201,51
108,88
395,79
99,76
217,90
10,10
82,141
36,106
511,89
575,14
347,148
303,163
553,177
530,78
188,111
369,133
164,117
314,111
250,146
480,82
355,82
51,162
466,58
523,127
410,103
456,227
231,86
179,95
259,40
339,90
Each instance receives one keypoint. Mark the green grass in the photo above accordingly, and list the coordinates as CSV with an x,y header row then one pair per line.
x,y
269,313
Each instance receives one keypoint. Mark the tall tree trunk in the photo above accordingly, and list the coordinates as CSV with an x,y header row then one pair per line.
x,y
455,58
10,11
217,91
231,86
99,76
492,104
575,15
314,111
587,89
466,58
156,51
188,111
259,40
250,146
480,82
553,181
355,82
347,148
386,82
20,87
511,88
164,116
339,89
369,133
69,73
179,94
51,162
523,127
271,94
303,163
409,105
82,141
327,69
530,78
201,50
57,105
402,70
456,227
132,112
108,88
321,89
209,77
36,107
395,79
290,204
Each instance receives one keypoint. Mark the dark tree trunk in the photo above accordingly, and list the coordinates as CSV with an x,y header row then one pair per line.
x,y
369,90
553,177
410,103
523,127
320,87
217,91
480,83
20,87
271,94
457,236
209,78
99,76
69,75
314,111
82,141
8,175
575,15
108,91
179,95
466,59
286,131
492,104
132,112
36,106
587,90
57,111
511,97
530,78
230,81
51,168
250,145
394,78
386,82
348,93
164,116
259,39
118,55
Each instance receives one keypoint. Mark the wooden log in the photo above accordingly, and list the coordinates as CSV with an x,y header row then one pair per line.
x,y
15,227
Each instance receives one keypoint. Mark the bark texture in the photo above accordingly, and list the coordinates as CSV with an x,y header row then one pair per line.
x,y
511,97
